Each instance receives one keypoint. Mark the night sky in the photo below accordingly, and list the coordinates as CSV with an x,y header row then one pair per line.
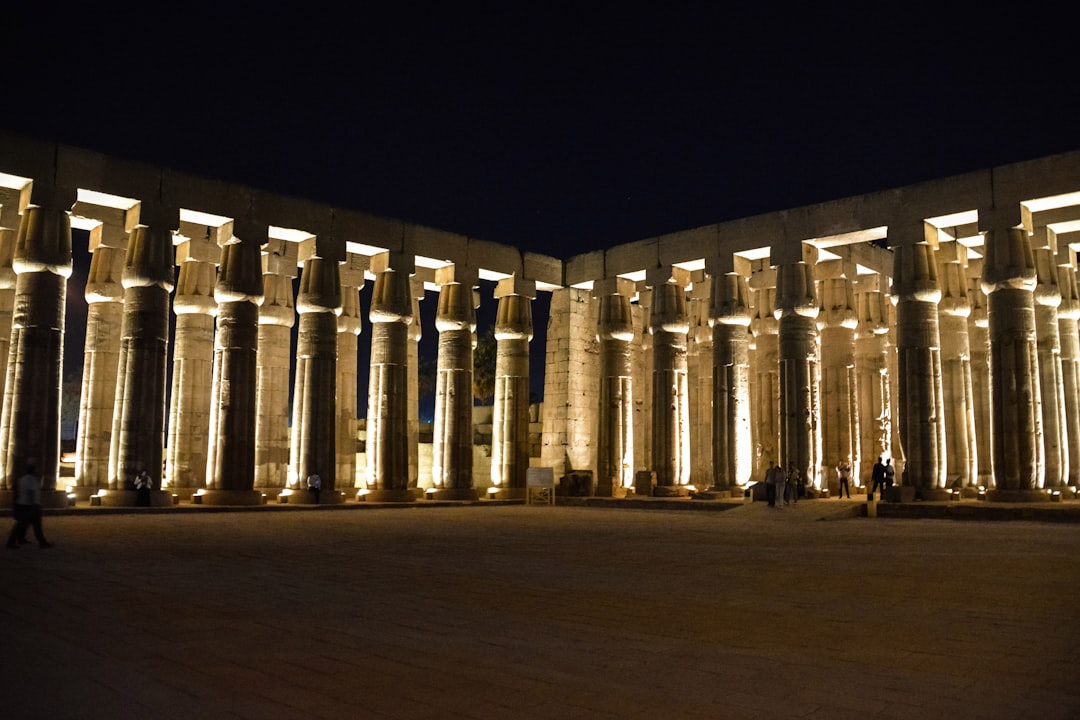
x,y
555,128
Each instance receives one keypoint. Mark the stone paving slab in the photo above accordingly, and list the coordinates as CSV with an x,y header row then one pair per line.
x,y
513,611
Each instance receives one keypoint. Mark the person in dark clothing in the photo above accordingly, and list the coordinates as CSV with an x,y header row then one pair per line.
x,y
878,478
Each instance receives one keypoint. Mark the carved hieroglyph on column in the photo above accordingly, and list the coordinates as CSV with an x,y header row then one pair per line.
x,y
388,386
872,374
840,418
668,325
138,436
510,416
101,353
956,387
1048,343
314,431
455,319
350,324
641,378
193,359
765,390
797,309
732,443
1015,395
979,344
614,433
918,351
1069,333
30,421
273,362
230,464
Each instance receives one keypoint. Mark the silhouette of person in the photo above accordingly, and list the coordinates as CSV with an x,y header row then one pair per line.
x,y
27,510
142,489
314,483
878,477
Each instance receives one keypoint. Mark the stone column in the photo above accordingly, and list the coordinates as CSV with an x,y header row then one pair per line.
x,y
314,424
350,324
699,373
956,386
1048,343
979,343
104,294
918,351
765,389
388,387
797,309
1009,280
510,417
1068,313
455,319
416,333
30,420
641,379
840,418
872,375
7,294
273,361
615,430
230,464
732,442
138,434
668,325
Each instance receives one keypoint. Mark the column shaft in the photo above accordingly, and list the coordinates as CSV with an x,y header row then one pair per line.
x,y
1068,333
732,442
615,430
510,417
668,325
452,465
797,309
277,315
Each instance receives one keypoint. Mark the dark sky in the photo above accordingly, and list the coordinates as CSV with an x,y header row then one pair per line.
x,y
556,128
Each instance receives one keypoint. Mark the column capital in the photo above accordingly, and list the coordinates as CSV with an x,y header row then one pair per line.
x,y
614,286
457,273
655,277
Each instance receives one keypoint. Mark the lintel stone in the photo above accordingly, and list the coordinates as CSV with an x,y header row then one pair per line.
x,y
199,249
585,267
453,273
515,285
543,269
654,277
614,286
486,255
632,257
396,261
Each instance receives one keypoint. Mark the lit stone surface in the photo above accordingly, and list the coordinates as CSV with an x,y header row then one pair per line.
x,y
388,390
350,324
1009,280
699,370
1051,381
314,434
277,315
765,389
7,295
797,310
956,387
872,374
839,395
732,441
918,352
615,432
230,465
510,416
668,326
979,344
101,354
30,421
1068,312
452,464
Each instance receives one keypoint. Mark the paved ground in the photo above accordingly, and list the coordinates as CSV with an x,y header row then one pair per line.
x,y
541,612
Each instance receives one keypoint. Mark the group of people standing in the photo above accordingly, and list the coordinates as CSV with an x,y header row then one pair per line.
x,y
785,488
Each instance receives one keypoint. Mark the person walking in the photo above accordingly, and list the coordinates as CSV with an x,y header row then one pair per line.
x,y
779,481
877,475
890,475
27,510
843,471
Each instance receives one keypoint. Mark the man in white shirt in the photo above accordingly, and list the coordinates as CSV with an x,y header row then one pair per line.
x,y
27,510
